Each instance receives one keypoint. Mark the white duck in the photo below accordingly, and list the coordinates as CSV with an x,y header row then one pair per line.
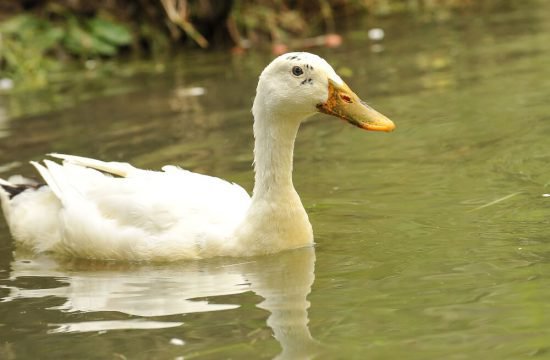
x,y
110,210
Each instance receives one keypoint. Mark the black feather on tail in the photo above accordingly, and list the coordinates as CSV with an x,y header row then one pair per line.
x,y
17,189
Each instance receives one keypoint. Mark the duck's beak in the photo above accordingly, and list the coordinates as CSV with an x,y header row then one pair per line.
x,y
345,104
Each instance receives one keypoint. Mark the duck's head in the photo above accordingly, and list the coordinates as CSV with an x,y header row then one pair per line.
x,y
299,84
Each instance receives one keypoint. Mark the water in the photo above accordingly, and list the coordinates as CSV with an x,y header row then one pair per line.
x,y
432,241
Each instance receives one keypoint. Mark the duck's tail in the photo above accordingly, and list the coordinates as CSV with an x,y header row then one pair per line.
x,y
4,184
16,185
10,190
31,211
12,187
6,191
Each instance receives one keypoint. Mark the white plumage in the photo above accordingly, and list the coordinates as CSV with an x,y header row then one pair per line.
x,y
108,210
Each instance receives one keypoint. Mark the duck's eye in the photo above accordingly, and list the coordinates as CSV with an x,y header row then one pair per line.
x,y
297,71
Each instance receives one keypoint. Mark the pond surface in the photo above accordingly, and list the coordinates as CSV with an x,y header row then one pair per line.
x,y
432,242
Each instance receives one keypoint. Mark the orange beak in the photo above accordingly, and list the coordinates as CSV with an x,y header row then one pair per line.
x,y
345,104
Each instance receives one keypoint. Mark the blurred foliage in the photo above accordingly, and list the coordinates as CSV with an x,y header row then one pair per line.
x,y
29,44
95,36
25,39
38,36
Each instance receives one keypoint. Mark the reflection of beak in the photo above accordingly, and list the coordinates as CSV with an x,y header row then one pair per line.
x,y
343,103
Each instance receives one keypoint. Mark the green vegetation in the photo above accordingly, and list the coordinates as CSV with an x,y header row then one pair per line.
x,y
27,40
37,37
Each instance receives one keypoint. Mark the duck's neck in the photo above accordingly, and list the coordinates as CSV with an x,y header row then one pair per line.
x,y
273,154
276,219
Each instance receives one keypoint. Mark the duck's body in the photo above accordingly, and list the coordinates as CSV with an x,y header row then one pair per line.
x,y
150,215
99,210
145,215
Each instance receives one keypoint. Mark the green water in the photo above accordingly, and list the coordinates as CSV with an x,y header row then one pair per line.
x,y
433,242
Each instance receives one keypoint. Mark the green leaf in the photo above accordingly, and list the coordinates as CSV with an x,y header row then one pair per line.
x,y
82,42
110,32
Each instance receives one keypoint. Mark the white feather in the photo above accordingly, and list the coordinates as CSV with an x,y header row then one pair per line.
x,y
116,168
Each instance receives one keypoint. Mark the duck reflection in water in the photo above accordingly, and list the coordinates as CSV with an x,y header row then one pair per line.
x,y
148,290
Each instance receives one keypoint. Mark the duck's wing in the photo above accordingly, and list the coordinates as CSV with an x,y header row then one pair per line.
x,y
116,211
